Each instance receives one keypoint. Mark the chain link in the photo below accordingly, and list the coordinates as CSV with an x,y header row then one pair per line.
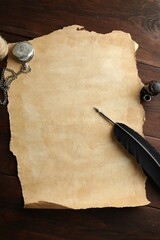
x,y
2,87
5,82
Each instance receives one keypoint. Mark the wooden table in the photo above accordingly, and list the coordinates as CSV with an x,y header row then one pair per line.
x,y
23,20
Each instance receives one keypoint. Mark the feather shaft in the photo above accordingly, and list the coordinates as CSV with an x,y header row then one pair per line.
x,y
145,154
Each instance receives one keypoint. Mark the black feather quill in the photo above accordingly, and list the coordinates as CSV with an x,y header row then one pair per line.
x,y
143,151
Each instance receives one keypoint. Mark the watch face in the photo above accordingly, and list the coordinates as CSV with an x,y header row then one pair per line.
x,y
23,51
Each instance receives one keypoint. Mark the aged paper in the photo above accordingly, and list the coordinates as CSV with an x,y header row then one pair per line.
x,y
67,154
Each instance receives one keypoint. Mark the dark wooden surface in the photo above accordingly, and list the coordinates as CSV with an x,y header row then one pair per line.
x,y
21,20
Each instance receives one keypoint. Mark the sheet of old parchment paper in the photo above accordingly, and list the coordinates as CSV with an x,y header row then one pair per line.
x,y
66,152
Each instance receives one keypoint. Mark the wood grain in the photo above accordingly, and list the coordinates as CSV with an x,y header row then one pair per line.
x,y
140,18
23,20
89,224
